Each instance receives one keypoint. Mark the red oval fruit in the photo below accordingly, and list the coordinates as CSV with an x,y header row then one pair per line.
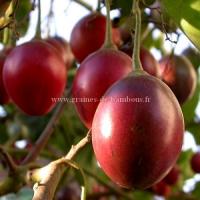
x,y
69,57
59,47
178,73
95,75
4,98
161,189
88,35
137,131
33,74
149,63
195,162
173,176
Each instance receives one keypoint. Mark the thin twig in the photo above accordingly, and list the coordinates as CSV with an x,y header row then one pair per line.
x,y
44,137
9,161
85,4
48,177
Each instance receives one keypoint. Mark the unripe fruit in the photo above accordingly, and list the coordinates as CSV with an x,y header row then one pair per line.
x,y
95,75
137,131
88,35
149,63
178,73
173,176
195,162
33,74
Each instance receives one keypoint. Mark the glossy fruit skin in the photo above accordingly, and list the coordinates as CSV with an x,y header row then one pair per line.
x,y
59,47
4,98
173,176
69,57
161,189
195,162
149,63
33,74
179,74
137,143
94,76
88,35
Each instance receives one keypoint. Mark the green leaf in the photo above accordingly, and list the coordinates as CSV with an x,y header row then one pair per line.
x,y
184,164
189,107
196,191
141,195
186,14
125,6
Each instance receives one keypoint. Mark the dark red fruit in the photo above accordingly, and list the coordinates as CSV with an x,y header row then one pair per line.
x,y
69,57
137,131
148,62
59,47
95,75
88,35
195,162
33,74
161,189
179,74
4,98
173,176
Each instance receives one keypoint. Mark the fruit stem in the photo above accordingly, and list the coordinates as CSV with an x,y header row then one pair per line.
x,y
38,31
108,43
136,50
99,6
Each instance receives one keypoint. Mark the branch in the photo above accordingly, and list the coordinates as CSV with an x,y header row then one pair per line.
x,y
44,137
12,167
84,4
48,177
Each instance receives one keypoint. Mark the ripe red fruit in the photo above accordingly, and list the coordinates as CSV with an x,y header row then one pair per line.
x,y
33,74
4,98
95,75
173,176
195,162
148,62
59,48
137,132
88,35
69,57
161,189
178,73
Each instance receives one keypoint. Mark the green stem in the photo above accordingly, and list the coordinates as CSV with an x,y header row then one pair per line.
x,y
136,51
5,36
99,6
84,4
38,31
108,37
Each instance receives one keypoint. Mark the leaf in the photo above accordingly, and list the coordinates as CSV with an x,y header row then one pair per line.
x,y
189,107
22,16
196,191
125,6
141,195
187,17
184,164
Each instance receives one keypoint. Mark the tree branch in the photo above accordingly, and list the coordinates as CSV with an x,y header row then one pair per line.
x,y
44,137
48,177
